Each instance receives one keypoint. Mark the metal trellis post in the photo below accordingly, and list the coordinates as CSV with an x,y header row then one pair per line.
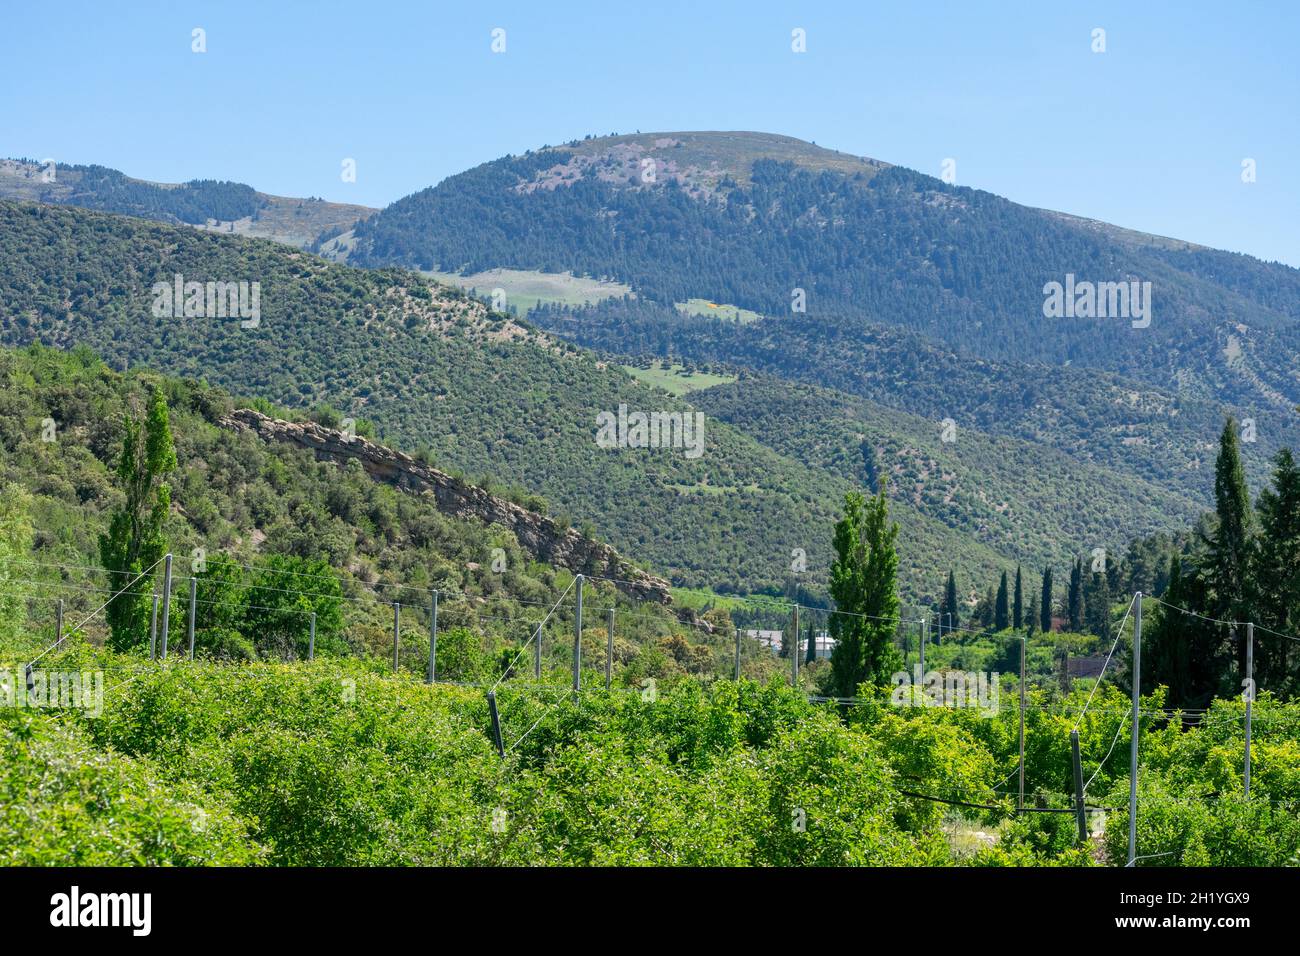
x,y
609,652
577,640
1133,745
194,594
153,630
397,633
1080,811
433,641
1250,695
166,601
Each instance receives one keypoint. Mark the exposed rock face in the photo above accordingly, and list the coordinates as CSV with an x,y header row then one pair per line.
x,y
539,535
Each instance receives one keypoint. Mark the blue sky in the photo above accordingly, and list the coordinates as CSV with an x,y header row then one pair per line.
x,y
1150,134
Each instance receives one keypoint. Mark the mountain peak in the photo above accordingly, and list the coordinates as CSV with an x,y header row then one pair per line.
x,y
704,155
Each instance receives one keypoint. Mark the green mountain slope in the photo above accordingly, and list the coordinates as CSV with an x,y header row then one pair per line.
x,y
747,220
1018,498
1142,433
238,497
436,371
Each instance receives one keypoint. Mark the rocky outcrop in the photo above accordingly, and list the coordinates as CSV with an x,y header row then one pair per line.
x,y
537,534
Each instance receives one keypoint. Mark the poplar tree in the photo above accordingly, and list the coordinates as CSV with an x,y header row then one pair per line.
x,y
135,540
863,582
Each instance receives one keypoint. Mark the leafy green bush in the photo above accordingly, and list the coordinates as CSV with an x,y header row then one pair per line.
x,y
63,803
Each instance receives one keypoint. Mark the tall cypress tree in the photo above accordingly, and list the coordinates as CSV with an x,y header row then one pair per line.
x,y
1229,559
1277,574
1018,605
1183,651
1001,612
1045,602
1096,604
864,582
135,540
949,605
1075,608
984,609
812,641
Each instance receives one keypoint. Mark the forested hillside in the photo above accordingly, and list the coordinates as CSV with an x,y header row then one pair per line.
x,y
685,215
264,519
1005,493
474,391
1139,431
223,206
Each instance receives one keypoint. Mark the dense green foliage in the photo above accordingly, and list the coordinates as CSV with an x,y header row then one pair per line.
x,y
135,542
63,802
331,763
1242,569
338,762
864,587
271,535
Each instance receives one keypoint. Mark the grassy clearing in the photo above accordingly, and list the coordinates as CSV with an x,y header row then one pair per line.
x,y
705,597
527,289
675,379
717,310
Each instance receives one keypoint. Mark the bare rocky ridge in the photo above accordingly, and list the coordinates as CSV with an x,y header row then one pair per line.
x,y
539,535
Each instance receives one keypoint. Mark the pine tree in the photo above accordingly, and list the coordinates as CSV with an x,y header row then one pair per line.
x,y
1045,602
135,540
1229,561
1001,613
1018,605
864,582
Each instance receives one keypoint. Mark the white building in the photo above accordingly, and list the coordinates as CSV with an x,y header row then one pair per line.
x,y
772,640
